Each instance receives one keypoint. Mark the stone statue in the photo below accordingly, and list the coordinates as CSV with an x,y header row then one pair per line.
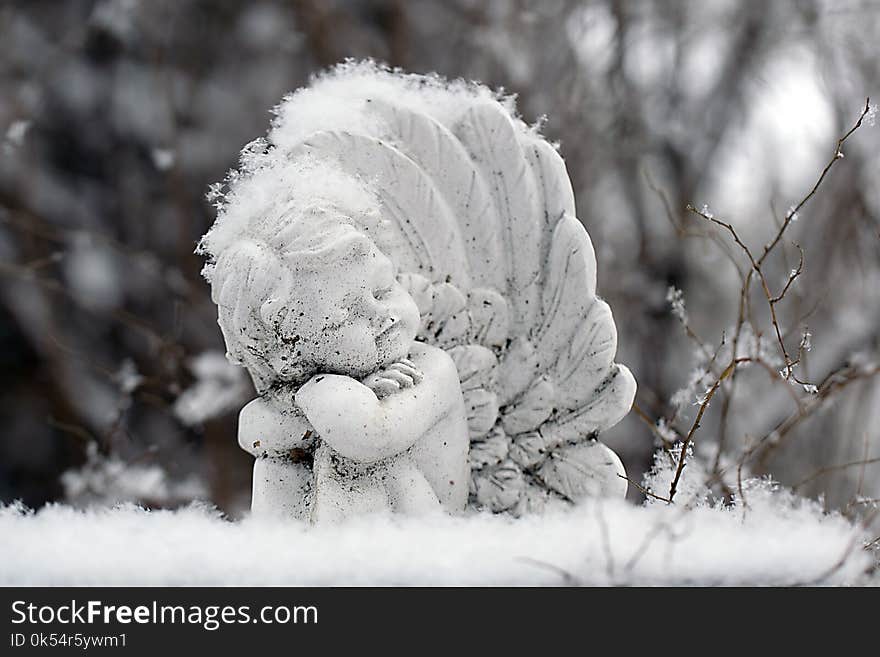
x,y
399,267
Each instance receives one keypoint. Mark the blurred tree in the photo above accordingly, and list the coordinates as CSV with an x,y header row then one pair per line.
x,y
116,115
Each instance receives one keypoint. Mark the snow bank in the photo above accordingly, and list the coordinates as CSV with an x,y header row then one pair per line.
x,y
607,543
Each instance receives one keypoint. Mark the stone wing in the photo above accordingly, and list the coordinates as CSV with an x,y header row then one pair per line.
x,y
483,228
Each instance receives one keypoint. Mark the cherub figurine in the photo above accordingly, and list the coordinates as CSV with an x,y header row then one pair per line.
x,y
374,191
355,416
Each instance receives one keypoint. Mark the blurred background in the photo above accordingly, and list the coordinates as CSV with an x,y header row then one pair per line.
x,y
116,115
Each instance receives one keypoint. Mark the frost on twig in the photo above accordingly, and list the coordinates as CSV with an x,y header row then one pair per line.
x,y
747,346
675,297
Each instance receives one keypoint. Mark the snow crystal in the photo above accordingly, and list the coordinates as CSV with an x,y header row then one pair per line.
x,y
611,542
699,377
871,116
691,488
806,340
703,399
754,346
675,297
665,431
215,192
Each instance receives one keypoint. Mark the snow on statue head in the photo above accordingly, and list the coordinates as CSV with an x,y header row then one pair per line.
x,y
399,267
301,288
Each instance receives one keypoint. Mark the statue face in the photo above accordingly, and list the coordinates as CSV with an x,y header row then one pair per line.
x,y
352,317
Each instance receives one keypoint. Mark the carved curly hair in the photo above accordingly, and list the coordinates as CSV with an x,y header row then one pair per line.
x,y
273,230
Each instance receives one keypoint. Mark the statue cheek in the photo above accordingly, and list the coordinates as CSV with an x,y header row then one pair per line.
x,y
409,315
350,346
361,338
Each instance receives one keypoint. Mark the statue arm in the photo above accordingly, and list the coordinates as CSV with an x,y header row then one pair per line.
x,y
360,426
264,427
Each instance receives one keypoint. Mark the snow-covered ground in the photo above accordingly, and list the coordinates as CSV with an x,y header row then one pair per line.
x,y
779,543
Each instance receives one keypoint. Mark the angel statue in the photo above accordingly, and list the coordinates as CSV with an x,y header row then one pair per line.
x,y
399,267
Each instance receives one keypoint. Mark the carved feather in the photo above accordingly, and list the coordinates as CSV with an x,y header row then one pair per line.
x,y
586,357
519,366
553,187
430,239
446,162
490,317
569,282
586,470
486,240
490,137
530,410
608,404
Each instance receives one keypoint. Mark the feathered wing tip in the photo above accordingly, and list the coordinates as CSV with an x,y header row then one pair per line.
x,y
486,240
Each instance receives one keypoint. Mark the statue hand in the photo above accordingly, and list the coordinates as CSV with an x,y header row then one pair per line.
x,y
397,376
